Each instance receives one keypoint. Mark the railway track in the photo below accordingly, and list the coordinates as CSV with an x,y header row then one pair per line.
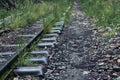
x,y
8,58
38,59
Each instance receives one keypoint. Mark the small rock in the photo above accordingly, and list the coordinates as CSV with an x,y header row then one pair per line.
x,y
15,78
61,68
116,51
116,68
115,58
57,74
49,71
113,46
118,60
111,40
103,60
106,77
74,46
117,34
114,75
110,52
100,71
86,72
101,63
107,56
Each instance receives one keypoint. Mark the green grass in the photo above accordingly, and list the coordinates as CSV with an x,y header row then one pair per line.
x,y
104,12
30,15
30,12
3,13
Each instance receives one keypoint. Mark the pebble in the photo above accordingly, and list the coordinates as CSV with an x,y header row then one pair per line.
x,y
61,68
57,74
118,60
15,79
116,68
49,71
107,56
86,72
114,75
101,63
110,52
116,51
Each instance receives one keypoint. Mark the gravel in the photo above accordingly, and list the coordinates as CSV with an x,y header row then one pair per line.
x,y
82,54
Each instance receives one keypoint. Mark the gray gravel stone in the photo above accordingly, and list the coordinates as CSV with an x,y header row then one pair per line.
x,y
81,53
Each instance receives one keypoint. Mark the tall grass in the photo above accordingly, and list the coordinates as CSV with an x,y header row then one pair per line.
x,y
106,13
29,12
29,15
3,13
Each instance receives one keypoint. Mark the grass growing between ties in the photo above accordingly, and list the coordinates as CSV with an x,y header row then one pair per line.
x,y
104,12
23,60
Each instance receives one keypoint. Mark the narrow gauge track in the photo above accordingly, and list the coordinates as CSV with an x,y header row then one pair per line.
x,y
10,56
48,42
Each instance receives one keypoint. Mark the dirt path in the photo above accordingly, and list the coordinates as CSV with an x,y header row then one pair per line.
x,y
80,52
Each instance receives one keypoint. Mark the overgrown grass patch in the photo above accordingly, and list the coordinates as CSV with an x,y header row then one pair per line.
x,y
104,12
29,12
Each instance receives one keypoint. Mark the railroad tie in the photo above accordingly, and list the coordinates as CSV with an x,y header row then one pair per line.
x,y
42,60
60,23
46,44
36,71
55,31
51,39
12,45
29,35
6,53
57,28
41,52
51,35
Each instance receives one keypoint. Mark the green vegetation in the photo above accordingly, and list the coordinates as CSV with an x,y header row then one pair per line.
x,y
3,13
104,12
23,60
28,12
